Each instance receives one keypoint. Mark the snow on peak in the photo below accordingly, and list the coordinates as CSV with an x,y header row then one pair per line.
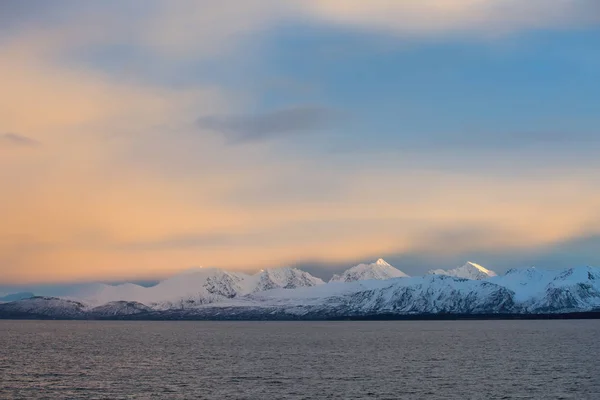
x,y
379,270
285,277
470,270
479,268
382,263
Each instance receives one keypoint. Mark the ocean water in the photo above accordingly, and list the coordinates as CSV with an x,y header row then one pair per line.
x,y
300,360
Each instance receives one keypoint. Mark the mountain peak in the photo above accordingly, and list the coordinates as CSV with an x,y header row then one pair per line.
x,y
479,268
284,277
470,270
379,270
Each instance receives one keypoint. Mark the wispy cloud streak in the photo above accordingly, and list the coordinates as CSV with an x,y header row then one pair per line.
x,y
271,125
13,139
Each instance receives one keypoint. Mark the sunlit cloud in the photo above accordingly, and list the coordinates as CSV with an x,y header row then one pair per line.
x,y
132,182
87,231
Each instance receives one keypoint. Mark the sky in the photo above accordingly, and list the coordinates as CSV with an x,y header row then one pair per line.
x,y
142,138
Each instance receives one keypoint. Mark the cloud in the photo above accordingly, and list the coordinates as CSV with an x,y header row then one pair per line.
x,y
178,242
200,28
13,139
439,17
13,13
156,226
271,125
164,200
481,140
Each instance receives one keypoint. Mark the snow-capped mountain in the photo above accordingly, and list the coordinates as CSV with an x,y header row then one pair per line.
x,y
433,295
286,278
379,270
293,294
119,308
197,286
544,290
194,287
571,289
43,307
468,271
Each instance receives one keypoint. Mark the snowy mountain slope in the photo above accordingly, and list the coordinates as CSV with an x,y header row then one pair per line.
x,y
198,286
119,308
100,293
379,270
468,271
286,278
192,287
433,295
418,295
315,295
546,290
526,283
43,307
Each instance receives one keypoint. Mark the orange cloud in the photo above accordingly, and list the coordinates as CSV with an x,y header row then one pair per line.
x,y
125,186
139,226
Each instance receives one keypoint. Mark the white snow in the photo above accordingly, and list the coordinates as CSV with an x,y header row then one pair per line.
x,y
287,278
379,270
533,283
47,306
470,270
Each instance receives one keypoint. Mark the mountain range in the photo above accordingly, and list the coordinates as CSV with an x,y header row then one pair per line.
x,y
376,289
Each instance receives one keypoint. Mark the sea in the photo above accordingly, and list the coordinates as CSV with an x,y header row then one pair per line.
x,y
558,359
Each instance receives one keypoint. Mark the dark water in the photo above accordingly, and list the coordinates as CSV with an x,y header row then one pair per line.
x,y
301,360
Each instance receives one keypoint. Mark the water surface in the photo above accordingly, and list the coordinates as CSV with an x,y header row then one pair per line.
x,y
300,360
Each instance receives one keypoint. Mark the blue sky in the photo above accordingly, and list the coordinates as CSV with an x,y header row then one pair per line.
x,y
140,139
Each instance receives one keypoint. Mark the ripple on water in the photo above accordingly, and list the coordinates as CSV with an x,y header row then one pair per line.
x,y
300,360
